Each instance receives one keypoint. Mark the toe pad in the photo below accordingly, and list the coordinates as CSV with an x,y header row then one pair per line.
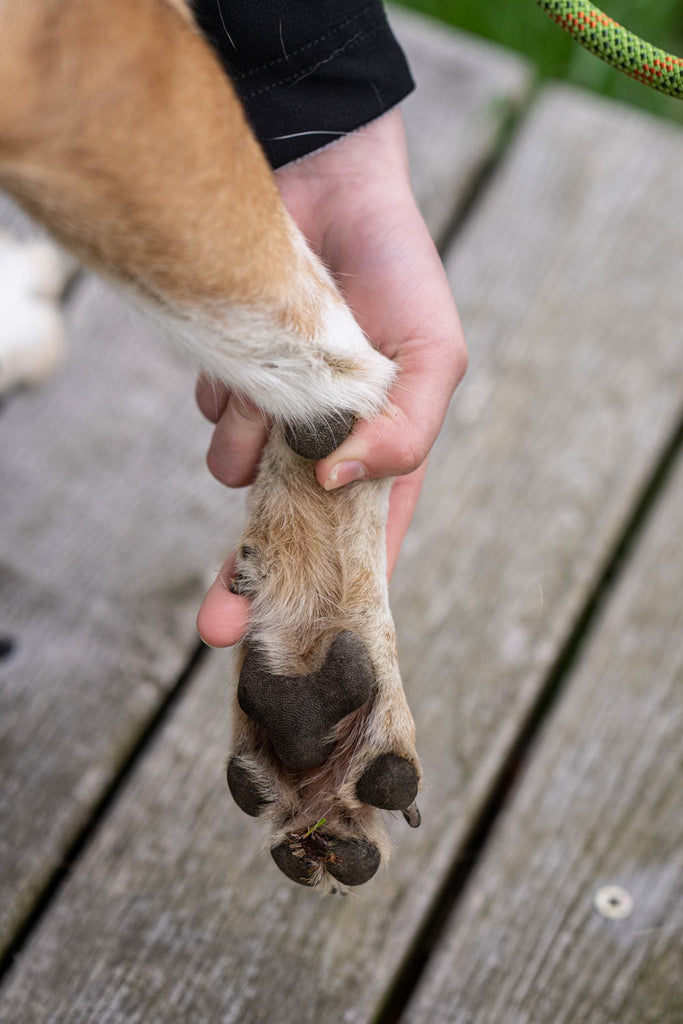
x,y
349,861
319,441
390,782
245,790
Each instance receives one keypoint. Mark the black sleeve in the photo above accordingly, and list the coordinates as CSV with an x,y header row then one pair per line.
x,y
307,71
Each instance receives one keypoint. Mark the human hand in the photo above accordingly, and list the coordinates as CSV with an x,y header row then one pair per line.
x,y
353,202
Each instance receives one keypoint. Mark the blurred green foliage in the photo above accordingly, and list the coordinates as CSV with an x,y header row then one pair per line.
x,y
523,26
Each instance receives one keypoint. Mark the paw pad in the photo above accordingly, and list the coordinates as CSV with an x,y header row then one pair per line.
x,y
390,782
245,790
298,712
349,861
321,440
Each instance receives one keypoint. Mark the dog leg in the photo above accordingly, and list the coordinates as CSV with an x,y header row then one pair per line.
x,y
322,727
122,134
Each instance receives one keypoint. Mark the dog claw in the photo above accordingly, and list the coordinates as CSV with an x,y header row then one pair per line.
x,y
321,440
412,815
298,712
390,782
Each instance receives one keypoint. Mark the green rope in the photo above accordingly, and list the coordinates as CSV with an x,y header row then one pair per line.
x,y
616,45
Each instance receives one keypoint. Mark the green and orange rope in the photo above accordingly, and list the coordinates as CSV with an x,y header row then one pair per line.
x,y
616,45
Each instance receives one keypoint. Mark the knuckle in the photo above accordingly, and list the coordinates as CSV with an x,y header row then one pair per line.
x,y
455,357
410,453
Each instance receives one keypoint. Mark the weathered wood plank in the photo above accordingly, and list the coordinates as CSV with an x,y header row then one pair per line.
x,y
174,914
447,154
602,804
13,221
109,524
109,521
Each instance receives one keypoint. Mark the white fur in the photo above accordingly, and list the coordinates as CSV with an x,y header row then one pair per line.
x,y
290,381
32,276
290,376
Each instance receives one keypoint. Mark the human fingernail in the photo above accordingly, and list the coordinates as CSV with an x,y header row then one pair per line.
x,y
345,473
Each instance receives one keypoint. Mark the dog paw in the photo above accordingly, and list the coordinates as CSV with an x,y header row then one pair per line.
x,y
323,740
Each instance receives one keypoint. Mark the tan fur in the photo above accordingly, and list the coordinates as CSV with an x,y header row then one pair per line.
x,y
120,132
101,97
333,578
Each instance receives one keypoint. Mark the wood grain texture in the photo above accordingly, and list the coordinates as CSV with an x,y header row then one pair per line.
x,y
110,525
601,804
454,71
175,914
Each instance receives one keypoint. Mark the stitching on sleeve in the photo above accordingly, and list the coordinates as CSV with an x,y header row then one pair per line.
x,y
302,49
293,79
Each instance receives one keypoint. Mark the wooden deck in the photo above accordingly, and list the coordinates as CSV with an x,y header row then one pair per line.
x,y
539,603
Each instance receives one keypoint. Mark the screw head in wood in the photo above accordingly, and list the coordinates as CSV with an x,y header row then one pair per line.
x,y
613,902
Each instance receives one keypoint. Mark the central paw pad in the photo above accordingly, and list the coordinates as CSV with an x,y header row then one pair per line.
x,y
349,861
298,712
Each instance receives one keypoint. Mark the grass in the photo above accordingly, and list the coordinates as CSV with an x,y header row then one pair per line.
x,y
523,26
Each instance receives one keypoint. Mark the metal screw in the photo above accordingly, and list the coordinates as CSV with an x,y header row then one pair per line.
x,y
613,902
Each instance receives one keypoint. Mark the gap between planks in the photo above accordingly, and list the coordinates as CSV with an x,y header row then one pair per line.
x,y
590,588
520,755
103,807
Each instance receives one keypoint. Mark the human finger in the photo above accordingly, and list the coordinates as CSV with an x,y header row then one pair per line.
x,y
211,397
402,299
223,616
237,442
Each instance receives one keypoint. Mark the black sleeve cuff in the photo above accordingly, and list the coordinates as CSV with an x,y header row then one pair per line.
x,y
307,71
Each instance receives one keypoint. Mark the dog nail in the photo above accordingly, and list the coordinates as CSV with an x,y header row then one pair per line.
x,y
298,712
321,440
390,782
244,788
412,815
